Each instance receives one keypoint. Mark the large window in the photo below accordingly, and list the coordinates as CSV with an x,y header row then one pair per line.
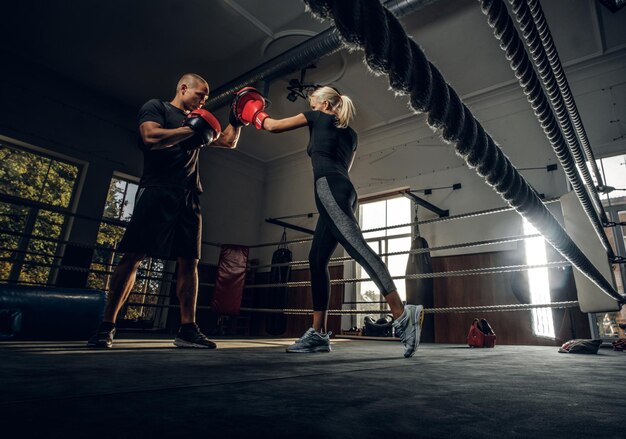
x,y
147,289
384,213
36,192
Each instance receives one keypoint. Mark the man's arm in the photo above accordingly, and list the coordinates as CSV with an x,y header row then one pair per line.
x,y
154,136
229,138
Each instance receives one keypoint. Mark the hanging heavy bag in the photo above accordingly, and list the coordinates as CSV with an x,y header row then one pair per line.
x,y
420,291
276,324
230,280
481,335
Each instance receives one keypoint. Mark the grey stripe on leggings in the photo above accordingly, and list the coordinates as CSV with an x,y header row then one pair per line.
x,y
351,232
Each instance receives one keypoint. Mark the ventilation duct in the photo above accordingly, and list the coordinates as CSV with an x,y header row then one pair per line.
x,y
324,44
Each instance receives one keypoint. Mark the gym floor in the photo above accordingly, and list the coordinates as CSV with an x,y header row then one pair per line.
x,y
145,387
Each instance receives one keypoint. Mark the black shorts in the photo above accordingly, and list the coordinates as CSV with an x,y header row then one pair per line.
x,y
166,224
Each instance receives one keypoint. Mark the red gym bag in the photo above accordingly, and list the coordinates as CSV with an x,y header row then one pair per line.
x,y
481,335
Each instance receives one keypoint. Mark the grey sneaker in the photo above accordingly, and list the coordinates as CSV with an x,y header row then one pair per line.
x,y
409,327
311,341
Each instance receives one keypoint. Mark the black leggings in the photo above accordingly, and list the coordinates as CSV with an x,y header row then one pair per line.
x,y
336,202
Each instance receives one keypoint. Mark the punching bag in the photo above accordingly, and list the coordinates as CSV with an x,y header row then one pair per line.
x,y
230,280
420,291
276,324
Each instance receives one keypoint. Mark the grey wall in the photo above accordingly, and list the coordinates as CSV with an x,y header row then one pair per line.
x,y
231,203
43,111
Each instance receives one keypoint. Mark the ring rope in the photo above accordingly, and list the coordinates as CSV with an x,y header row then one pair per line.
x,y
572,160
457,309
414,251
440,274
413,223
168,276
468,272
366,25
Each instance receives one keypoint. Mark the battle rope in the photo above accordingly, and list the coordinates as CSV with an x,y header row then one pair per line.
x,y
553,57
504,30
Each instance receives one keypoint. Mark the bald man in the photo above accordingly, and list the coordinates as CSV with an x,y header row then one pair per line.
x,y
167,221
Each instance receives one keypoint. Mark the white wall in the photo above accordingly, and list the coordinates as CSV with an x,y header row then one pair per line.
x,y
408,153
233,186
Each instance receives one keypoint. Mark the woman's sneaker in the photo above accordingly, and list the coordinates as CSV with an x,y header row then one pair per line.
x,y
409,327
311,341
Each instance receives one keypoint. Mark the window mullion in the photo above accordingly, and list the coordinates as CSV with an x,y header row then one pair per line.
x,y
22,247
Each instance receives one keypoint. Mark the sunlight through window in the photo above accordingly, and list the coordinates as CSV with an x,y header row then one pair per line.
x,y
538,283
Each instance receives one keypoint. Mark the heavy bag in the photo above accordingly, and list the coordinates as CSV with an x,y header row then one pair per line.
x,y
420,291
230,280
276,324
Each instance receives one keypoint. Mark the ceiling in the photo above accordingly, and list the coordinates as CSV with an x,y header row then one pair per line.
x,y
135,50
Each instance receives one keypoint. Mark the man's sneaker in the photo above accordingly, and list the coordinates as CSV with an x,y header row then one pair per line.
x,y
103,338
192,337
409,327
311,341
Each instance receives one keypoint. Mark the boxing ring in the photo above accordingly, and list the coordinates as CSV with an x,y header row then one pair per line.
x,y
368,26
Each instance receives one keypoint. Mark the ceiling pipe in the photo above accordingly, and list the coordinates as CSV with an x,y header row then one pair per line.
x,y
301,56
613,5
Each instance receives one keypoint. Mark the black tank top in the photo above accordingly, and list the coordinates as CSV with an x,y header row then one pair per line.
x,y
170,167
331,148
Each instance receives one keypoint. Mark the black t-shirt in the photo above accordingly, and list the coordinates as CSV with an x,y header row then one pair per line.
x,y
331,148
176,166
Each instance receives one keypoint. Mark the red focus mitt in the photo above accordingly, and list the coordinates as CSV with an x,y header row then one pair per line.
x,y
205,125
247,107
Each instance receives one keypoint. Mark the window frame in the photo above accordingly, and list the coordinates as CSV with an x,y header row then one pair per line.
x,y
34,207
383,245
147,265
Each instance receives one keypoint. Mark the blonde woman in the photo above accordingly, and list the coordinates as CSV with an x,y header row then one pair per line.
x,y
332,147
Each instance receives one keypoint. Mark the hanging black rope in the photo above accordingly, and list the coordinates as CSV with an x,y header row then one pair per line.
x,y
553,57
504,30
366,25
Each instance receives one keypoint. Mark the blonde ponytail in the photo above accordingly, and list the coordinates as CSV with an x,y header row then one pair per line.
x,y
340,104
345,111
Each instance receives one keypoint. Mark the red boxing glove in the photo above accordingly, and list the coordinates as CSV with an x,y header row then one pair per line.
x,y
205,125
253,113
248,106
259,118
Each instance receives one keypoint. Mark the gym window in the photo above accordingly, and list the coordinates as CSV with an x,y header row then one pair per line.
x,y
36,194
376,214
538,283
117,212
